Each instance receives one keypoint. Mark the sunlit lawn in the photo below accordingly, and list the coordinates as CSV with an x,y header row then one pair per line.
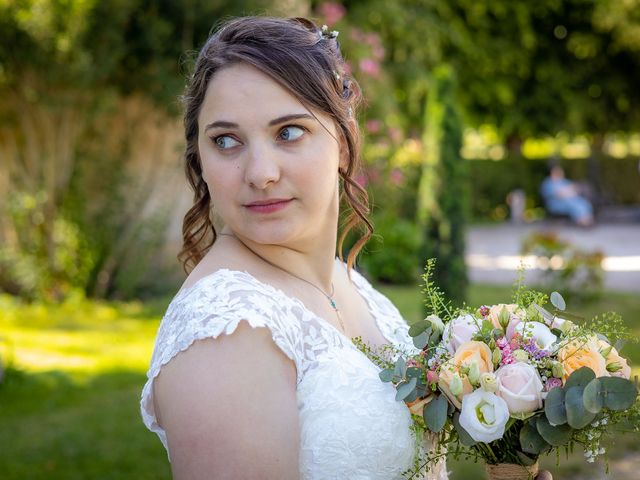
x,y
69,407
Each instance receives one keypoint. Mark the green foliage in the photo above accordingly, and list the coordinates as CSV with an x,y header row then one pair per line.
x,y
73,77
442,202
581,276
391,256
26,266
435,413
527,68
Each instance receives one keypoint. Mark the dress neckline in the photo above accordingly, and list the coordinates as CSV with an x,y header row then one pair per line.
x,y
372,307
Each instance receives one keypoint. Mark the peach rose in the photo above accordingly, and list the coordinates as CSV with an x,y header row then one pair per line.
x,y
449,370
613,359
473,351
512,308
583,352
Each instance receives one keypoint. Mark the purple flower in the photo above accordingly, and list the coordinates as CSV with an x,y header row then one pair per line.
x,y
484,310
551,383
531,347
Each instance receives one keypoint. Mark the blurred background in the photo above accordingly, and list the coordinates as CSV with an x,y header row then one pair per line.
x,y
468,102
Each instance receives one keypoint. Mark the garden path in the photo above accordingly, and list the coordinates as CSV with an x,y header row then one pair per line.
x,y
493,251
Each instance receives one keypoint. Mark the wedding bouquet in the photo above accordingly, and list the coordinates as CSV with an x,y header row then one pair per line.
x,y
509,382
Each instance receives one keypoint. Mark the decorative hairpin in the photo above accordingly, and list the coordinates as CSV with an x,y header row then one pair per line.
x,y
325,33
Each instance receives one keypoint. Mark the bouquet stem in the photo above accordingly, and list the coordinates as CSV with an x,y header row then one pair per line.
x,y
511,471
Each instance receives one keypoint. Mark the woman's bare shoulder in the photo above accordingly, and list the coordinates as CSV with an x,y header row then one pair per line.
x,y
240,388
221,256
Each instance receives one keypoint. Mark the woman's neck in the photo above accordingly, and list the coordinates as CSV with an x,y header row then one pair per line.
x,y
313,262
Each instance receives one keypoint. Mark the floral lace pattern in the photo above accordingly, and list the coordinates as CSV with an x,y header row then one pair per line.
x,y
351,425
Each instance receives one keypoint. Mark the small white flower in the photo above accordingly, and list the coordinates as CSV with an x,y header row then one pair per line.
x,y
484,415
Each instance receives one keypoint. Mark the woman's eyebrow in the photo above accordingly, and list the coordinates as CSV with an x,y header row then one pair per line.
x,y
221,124
288,118
275,121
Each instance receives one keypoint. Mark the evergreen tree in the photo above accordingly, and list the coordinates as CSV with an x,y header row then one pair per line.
x,y
442,196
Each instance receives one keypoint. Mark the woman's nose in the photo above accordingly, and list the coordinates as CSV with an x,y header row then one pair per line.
x,y
262,168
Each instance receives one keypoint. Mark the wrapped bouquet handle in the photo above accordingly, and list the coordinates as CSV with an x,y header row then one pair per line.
x,y
511,471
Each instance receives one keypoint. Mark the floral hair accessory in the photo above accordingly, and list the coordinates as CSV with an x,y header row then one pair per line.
x,y
326,33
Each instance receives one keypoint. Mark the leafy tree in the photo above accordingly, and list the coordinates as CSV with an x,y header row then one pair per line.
x,y
88,95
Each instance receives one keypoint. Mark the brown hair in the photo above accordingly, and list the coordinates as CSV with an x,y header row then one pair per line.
x,y
307,62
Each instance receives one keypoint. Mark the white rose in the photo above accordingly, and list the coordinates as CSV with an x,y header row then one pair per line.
x,y
484,416
459,331
519,384
539,332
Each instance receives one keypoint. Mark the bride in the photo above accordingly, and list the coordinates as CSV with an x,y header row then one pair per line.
x,y
254,375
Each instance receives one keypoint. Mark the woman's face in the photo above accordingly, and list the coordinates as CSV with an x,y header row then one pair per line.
x,y
270,164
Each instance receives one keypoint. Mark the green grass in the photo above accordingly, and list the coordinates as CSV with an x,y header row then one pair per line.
x,y
69,407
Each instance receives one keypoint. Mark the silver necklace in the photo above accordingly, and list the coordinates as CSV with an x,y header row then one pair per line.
x,y
328,296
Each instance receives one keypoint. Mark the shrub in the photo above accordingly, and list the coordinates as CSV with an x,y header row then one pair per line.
x,y
574,272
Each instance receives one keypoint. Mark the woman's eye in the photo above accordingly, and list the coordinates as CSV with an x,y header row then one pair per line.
x,y
291,133
224,142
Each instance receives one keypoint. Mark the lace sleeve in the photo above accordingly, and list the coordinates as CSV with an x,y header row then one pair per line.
x,y
212,307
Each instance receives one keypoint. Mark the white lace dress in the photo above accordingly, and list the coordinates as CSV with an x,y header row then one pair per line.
x,y
351,426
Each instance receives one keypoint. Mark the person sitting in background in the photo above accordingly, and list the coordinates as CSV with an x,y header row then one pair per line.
x,y
562,197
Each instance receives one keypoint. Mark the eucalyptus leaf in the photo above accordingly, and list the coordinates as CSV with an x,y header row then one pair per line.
x,y
554,407
619,393
465,438
577,415
531,441
413,396
386,375
557,301
418,327
421,340
579,378
435,413
593,396
414,372
527,459
401,367
405,389
554,435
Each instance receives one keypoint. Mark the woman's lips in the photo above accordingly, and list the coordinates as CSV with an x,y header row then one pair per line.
x,y
268,206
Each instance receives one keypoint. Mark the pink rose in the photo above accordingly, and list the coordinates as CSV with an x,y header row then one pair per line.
x,y
459,331
519,384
